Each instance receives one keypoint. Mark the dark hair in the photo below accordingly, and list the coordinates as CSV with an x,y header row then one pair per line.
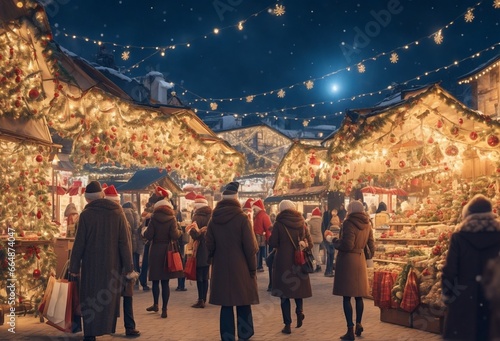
x,y
381,207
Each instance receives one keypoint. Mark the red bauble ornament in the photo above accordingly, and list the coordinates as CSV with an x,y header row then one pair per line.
x,y
34,93
473,135
93,150
402,164
493,140
37,273
39,214
39,158
430,140
97,139
454,130
460,121
439,124
388,163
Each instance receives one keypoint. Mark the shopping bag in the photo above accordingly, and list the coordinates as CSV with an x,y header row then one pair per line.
x,y
411,297
63,308
190,268
42,308
173,258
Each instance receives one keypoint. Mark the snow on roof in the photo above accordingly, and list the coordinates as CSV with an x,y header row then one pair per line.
x,y
154,74
114,73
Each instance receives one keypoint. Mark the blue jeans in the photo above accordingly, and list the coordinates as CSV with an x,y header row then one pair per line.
x,y
330,254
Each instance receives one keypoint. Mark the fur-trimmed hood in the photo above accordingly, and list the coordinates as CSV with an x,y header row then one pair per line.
x,y
480,222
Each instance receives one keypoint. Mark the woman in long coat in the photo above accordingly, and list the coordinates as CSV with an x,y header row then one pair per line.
x,y
351,278
162,230
476,240
289,281
232,244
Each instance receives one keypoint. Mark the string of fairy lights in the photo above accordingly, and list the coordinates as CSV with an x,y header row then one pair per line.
x,y
279,10
269,114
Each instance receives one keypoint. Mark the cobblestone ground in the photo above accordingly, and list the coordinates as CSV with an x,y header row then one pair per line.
x,y
324,319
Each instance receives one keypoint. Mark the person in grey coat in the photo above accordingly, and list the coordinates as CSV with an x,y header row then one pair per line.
x,y
232,246
102,249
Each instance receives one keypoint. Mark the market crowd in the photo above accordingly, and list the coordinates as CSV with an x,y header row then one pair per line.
x,y
231,242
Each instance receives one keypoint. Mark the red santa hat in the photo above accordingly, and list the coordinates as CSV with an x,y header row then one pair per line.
x,y
248,204
200,201
163,192
259,204
111,193
316,212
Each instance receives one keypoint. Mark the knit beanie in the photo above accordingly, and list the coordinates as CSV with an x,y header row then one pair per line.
x,y
355,206
94,191
231,190
286,205
478,204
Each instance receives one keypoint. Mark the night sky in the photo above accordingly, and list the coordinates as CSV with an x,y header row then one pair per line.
x,y
311,40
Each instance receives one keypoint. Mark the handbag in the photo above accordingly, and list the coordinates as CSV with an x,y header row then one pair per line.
x,y
303,258
173,258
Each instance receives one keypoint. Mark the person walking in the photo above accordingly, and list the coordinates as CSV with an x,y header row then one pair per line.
x,y
351,278
261,227
331,232
232,246
198,230
134,221
111,193
101,253
475,241
162,231
314,224
289,281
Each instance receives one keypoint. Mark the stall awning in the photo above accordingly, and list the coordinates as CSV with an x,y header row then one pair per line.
x,y
297,194
142,179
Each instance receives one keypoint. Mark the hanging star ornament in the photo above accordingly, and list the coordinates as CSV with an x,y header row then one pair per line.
x,y
309,85
438,37
279,10
469,16
361,68
496,3
281,93
213,106
125,55
249,99
394,58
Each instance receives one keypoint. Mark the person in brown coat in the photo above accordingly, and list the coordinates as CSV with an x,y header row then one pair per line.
x,y
351,278
102,249
232,245
289,281
162,230
476,240
201,217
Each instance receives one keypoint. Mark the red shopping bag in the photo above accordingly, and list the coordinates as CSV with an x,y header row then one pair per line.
x,y
173,258
190,268
411,297
63,307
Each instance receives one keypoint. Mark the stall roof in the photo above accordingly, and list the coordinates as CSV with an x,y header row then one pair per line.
x,y
142,179
296,194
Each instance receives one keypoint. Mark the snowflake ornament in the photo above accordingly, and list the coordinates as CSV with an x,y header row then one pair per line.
x,y
469,16
438,37
496,3
213,106
394,58
279,10
281,93
361,68
125,55
249,99
309,85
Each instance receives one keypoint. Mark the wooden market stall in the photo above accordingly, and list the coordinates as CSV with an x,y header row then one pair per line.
x,y
438,153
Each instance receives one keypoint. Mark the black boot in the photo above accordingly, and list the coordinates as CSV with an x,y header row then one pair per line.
x,y
199,304
349,335
300,318
359,329
154,308
286,329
